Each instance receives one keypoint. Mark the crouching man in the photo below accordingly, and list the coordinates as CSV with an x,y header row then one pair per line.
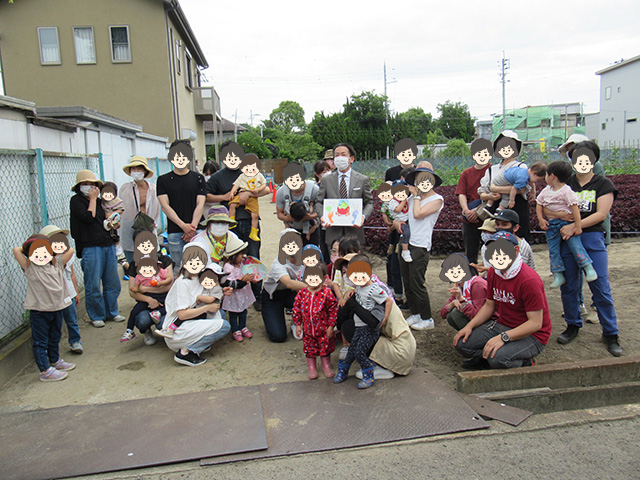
x,y
516,292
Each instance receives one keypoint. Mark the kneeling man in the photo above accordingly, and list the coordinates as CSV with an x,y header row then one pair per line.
x,y
516,292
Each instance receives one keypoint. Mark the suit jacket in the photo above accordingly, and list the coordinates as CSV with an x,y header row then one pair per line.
x,y
359,187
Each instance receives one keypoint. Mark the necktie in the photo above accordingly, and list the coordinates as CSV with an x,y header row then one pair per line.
x,y
343,187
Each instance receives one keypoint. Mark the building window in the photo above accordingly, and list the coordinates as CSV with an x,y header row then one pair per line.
x,y
85,45
120,48
604,126
178,62
188,77
632,120
607,93
49,46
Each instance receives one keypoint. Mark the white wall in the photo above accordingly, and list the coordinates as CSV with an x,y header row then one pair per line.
x,y
624,102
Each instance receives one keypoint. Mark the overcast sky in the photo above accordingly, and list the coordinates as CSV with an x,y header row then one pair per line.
x,y
319,53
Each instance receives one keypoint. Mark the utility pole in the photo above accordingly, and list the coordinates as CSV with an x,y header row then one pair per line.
x,y
504,65
235,128
251,115
386,102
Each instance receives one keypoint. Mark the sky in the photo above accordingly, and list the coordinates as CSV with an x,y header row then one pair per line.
x,y
320,53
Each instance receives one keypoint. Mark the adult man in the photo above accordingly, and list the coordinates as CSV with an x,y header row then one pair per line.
x,y
181,194
345,183
406,151
219,191
298,190
509,221
516,292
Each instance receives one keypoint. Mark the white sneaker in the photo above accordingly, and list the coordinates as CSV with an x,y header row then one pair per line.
x,y
97,323
118,318
149,339
379,373
293,332
343,353
406,256
413,319
423,324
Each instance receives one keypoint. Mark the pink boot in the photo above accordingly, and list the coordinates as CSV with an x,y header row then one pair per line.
x,y
311,365
326,367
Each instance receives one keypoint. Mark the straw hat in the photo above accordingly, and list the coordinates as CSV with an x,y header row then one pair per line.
x,y
234,245
218,213
328,155
489,225
337,265
86,176
138,161
52,230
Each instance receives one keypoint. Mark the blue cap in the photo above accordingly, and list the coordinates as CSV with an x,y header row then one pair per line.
x,y
502,234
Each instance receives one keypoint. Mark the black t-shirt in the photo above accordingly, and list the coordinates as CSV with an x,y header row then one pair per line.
x,y
221,183
163,260
588,196
393,173
183,192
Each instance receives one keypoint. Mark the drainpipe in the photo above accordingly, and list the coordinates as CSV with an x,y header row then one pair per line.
x,y
174,100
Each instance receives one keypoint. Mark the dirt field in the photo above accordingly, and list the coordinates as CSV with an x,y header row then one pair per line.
x,y
109,371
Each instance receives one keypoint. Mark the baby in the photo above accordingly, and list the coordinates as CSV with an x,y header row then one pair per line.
x,y
113,207
251,180
298,211
399,209
519,179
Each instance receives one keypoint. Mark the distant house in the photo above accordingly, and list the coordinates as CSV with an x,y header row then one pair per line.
x,y
226,127
136,60
618,122
484,129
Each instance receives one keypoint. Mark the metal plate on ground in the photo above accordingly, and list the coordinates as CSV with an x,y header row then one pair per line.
x,y
319,415
86,439
497,411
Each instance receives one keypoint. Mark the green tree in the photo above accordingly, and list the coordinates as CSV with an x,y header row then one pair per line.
x,y
251,142
455,148
297,146
288,116
414,124
456,121
433,138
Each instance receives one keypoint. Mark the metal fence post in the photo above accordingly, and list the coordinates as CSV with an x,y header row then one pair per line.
x,y
101,165
42,187
157,175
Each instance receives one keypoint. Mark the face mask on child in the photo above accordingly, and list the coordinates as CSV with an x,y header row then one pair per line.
x,y
138,176
85,189
219,229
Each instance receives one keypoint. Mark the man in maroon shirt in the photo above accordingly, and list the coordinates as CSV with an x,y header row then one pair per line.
x,y
467,191
516,293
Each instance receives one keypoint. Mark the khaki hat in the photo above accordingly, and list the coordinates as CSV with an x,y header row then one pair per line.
x,y
52,230
337,265
489,225
218,213
87,176
328,155
138,161
234,245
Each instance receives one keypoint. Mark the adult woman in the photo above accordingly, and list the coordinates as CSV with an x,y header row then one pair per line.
x,y
596,194
216,234
424,207
96,248
281,285
507,147
198,332
138,196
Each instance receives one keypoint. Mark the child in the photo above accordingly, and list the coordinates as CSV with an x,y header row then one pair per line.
x,y
557,196
519,179
150,274
212,291
315,311
251,180
46,298
113,207
368,295
311,257
399,208
298,211
242,296
59,245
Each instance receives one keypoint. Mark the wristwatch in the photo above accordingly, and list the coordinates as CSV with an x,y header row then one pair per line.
x,y
505,337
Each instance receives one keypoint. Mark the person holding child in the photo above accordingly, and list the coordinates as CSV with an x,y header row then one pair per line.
x,y
113,208
251,181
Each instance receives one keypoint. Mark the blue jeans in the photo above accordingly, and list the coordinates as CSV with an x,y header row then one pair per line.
x,y
71,319
554,240
208,340
128,255
176,244
601,290
242,231
394,277
238,320
143,321
273,313
46,331
100,264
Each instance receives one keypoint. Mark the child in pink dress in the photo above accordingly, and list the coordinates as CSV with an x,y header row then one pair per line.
x,y
242,296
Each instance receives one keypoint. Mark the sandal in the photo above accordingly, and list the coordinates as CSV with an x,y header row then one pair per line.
x,y
246,333
237,335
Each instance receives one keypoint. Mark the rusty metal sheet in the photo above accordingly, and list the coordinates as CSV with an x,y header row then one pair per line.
x,y
496,411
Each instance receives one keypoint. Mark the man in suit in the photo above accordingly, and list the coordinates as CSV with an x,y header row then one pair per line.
x,y
344,182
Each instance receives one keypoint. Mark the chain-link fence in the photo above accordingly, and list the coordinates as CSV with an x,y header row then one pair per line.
x,y
35,189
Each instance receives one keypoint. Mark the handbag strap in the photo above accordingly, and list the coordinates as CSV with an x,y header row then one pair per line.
x,y
135,199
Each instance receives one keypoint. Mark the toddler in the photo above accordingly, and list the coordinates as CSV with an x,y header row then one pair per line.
x,y
298,211
557,196
315,311
311,257
241,297
519,179
113,207
399,208
149,274
251,180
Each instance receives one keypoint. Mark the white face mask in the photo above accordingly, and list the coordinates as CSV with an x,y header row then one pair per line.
x,y
85,189
207,177
137,175
219,229
342,163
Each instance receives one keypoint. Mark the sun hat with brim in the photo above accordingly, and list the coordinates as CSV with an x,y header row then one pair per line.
x,y
489,225
337,265
510,134
328,155
218,213
234,245
410,178
86,176
52,230
138,161
575,138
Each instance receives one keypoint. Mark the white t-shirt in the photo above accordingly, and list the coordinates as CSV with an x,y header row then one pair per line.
x,y
277,271
67,277
422,229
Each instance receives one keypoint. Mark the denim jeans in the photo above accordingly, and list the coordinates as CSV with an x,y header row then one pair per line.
x,y
176,244
394,276
554,240
601,290
413,274
238,320
46,331
100,264
208,340
128,255
510,355
143,321
242,231
71,319
273,313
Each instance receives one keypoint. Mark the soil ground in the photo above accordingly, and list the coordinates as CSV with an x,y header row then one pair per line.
x,y
111,371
